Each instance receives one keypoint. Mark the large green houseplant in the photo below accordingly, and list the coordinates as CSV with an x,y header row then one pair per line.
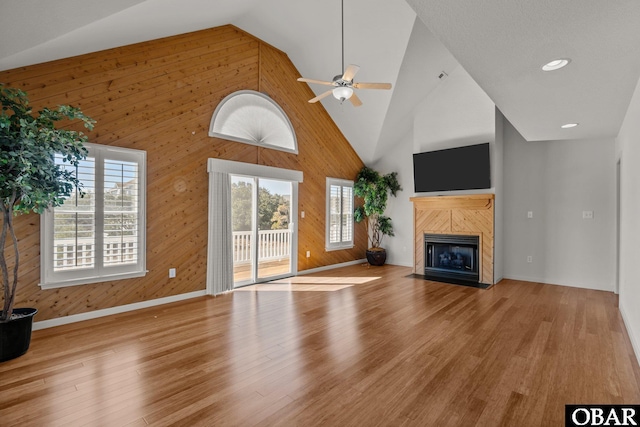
x,y
30,181
374,189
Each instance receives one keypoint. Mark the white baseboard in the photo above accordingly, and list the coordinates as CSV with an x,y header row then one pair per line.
x,y
114,310
630,332
547,281
331,267
399,263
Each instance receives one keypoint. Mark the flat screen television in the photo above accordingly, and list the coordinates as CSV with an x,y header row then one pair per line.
x,y
460,168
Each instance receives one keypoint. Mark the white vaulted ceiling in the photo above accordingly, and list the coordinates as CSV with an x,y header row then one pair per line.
x,y
503,45
500,44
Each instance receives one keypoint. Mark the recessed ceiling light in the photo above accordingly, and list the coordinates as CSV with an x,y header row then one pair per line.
x,y
569,125
556,64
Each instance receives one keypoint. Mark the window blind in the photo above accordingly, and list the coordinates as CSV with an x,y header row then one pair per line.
x,y
339,214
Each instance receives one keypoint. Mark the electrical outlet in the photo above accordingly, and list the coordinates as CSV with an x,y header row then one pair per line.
x,y
529,258
172,273
308,254
302,214
587,214
530,214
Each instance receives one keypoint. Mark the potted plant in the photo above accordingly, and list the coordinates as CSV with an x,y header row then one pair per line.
x,y
374,189
30,181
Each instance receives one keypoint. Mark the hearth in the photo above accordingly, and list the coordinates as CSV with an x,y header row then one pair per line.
x,y
451,257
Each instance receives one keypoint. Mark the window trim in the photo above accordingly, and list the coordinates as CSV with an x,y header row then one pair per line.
x,y
81,276
340,245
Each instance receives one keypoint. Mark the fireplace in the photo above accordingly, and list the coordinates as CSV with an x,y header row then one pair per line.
x,y
451,257
469,215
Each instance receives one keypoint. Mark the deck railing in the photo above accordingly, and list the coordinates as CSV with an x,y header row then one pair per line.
x,y
71,253
272,244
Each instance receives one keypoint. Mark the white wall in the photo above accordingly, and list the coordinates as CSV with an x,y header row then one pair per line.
x,y
399,208
454,114
457,113
628,149
557,181
497,168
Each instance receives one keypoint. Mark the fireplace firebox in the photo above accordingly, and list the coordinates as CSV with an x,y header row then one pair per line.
x,y
451,257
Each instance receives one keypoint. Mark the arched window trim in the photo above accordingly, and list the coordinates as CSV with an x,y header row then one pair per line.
x,y
280,112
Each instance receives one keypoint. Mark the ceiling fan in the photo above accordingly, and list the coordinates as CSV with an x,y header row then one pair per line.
x,y
343,84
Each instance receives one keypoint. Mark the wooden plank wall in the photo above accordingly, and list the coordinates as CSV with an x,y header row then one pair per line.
x,y
159,96
471,215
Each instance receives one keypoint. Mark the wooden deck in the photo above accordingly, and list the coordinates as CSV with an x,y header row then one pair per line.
x,y
242,272
384,350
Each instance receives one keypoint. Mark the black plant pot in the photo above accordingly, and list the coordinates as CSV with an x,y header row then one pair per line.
x,y
15,335
377,257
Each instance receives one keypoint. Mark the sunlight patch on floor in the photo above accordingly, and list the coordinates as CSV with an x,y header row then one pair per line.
x,y
309,283
327,280
287,287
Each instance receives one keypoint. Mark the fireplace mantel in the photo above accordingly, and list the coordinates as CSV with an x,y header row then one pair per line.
x,y
471,214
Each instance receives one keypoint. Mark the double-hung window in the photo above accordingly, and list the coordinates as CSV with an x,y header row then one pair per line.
x,y
99,236
339,232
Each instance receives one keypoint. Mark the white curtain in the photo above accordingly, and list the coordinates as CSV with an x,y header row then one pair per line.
x,y
220,273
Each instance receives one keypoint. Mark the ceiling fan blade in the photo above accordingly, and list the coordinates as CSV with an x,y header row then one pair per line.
x,y
318,82
355,100
319,97
350,72
386,86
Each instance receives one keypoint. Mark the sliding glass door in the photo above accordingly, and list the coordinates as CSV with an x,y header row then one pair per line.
x,y
263,232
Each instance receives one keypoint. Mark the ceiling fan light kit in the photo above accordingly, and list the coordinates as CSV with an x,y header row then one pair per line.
x,y
342,92
343,83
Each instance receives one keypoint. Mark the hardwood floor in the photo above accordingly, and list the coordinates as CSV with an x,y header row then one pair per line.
x,y
383,349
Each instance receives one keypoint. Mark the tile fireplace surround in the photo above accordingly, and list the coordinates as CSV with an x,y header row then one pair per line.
x,y
470,215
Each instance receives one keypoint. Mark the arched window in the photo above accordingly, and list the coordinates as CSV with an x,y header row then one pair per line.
x,y
253,118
